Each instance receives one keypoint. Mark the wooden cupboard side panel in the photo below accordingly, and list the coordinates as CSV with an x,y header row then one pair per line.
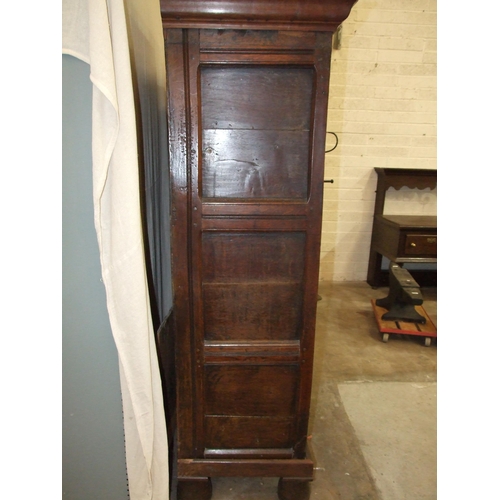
x,y
315,205
253,256
255,133
212,40
253,311
178,138
232,390
254,164
258,97
248,432
276,267
253,285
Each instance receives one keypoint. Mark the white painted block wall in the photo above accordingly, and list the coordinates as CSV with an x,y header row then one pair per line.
x,y
382,107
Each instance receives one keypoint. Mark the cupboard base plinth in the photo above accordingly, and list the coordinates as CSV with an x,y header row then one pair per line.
x,y
293,489
194,488
288,468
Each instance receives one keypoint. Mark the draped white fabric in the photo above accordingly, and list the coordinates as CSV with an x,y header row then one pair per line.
x,y
95,31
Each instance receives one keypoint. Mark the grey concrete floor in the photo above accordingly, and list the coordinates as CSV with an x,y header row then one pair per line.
x,y
373,409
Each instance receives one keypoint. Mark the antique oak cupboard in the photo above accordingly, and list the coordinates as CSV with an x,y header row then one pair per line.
x,y
247,102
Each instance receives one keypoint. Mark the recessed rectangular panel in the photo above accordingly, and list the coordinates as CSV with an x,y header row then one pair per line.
x,y
254,311
256,97
253,285
255,137
251,390
255,163
253,257
225,41
248,432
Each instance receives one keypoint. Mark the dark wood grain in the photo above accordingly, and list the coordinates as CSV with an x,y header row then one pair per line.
x,y
293,489
255,97
253,256
251,435
234,390
393,240
250,148
397,178
199,488
298,468
248,41
421,244
251,164
393,236
181,243
242,221
258,311
411,222
253,352
247,108
316,15
250,453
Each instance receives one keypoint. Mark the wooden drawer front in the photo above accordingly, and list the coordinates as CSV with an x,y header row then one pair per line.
x,y
421,244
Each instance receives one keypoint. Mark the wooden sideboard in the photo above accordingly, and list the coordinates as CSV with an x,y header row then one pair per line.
x,y
401,238
247,99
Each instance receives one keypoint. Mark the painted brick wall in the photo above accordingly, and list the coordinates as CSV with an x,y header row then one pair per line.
x,y
382,106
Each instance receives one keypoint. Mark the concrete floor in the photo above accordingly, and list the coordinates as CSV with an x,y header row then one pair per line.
x,y
373,407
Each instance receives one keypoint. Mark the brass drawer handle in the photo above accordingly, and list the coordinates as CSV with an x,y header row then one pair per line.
x,y
413,244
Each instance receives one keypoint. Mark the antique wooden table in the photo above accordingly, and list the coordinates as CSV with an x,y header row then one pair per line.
x,y
401,238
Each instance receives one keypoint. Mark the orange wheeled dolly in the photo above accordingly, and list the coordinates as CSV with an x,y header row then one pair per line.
x,y
401,311
388,327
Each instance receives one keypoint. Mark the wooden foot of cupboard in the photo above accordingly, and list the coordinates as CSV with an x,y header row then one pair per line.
x,y
247,103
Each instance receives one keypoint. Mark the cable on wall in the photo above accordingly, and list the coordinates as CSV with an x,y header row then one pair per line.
x,y
336,144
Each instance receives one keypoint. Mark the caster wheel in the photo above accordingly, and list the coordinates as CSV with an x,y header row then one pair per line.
x,y
385,337
427,341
